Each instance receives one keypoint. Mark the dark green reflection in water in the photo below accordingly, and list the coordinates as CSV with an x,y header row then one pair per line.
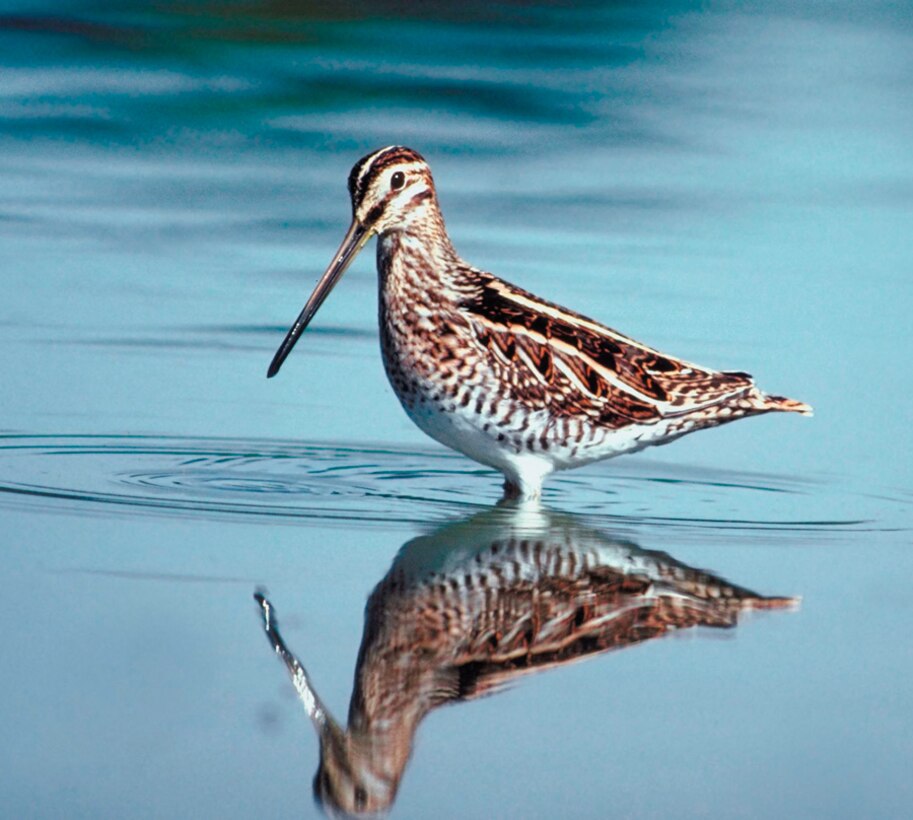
x,y
211,75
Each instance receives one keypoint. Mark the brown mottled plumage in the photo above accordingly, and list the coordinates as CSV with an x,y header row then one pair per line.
x,y
471,608
489,369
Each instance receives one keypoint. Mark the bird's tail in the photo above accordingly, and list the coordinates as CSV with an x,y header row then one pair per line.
x,y
782,404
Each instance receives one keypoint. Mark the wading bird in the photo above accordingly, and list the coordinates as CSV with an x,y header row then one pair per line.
x,y
486,368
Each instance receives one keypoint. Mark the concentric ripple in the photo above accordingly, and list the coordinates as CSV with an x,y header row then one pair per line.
x,y
221,476
284,480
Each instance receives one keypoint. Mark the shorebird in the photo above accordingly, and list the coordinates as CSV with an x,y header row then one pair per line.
x,y
510,380
477,605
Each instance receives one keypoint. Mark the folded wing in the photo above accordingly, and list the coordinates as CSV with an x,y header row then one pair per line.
x,y
573,365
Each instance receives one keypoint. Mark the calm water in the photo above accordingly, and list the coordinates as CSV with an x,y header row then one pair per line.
x,y
731,183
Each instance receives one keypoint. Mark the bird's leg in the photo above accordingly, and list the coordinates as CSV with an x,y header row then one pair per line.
x,y
511,491
521,492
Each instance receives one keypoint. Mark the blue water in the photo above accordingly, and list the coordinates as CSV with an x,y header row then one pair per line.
x,y
730,183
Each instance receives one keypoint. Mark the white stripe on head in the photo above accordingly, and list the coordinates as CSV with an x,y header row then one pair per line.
x,y
368,163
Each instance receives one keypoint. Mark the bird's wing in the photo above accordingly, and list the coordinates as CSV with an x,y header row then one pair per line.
x,y
586,367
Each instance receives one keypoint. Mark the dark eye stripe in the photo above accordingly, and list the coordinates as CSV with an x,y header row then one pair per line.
x,y
370,166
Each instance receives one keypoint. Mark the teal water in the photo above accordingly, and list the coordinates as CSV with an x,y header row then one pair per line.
x,y
732,183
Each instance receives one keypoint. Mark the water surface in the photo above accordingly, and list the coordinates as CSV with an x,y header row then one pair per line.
x,y
733,184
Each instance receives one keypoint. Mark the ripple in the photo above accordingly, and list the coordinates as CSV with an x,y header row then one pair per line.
x,y
290,480
209,476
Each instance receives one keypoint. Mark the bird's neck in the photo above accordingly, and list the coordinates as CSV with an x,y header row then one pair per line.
x,y
417,261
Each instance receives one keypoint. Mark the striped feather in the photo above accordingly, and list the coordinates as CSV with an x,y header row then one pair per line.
x,y
581,362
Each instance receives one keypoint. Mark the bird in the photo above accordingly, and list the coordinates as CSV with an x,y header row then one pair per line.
x,y
478,604
513,381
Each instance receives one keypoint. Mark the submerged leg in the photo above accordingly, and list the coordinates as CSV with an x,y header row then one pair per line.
x,y
511,491
523,478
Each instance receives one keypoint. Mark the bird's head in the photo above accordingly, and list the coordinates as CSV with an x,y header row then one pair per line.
x,y
391,189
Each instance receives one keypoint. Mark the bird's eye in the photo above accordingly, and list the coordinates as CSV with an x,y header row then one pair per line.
x,y
397,180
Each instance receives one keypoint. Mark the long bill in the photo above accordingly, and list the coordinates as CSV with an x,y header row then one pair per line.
x,y
352,243
322,719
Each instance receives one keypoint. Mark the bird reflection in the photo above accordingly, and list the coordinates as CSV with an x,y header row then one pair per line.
x,y
477,604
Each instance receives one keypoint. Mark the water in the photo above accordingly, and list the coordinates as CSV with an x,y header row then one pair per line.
x,y
733,184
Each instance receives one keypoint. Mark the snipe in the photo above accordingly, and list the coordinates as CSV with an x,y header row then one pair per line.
x,y
508,379
473,607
